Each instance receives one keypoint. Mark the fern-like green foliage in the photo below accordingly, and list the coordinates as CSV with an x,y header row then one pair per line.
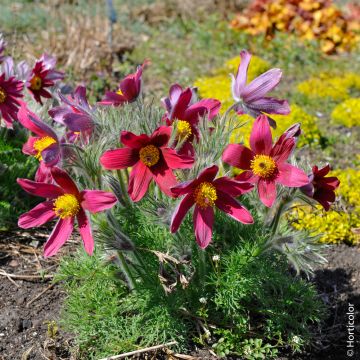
x,y
14,164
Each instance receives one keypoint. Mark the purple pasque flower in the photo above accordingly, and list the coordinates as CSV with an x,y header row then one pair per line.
x,y
43,76
45,146
181,105
250,98
75,113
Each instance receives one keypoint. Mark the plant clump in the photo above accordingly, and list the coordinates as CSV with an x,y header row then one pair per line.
x,y
309,20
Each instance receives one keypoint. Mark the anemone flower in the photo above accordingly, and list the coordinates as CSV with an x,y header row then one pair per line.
x,y
265,164
10,93
65,202
204,192
46,145
250,98
43,76
321,187
129,89
180,106
150,158
75,113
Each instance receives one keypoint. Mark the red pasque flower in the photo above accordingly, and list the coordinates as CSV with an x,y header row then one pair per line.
x,y
65,202
10,92
180,106
150,158
321,187
265,164
129,89
43,76
204,192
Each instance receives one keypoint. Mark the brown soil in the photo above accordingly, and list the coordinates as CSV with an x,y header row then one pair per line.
x,y
28,332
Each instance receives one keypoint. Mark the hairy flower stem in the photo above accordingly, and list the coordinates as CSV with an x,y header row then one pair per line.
x,y
125,198
281,207
126,271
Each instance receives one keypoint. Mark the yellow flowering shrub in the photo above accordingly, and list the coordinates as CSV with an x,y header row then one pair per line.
x,y
308,19
347,113
329,86
334,226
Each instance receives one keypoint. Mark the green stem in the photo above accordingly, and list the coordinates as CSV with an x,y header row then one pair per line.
x,y
126,270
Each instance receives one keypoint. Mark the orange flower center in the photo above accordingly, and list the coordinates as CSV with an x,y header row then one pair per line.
x,y
205,195
66,206
41,144
149,155
119,92
263,166
183,130
35,83
2,95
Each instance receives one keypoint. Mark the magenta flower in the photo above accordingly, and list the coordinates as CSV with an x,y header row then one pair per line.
x,y
250,98
43,76
204,192
45,146
129,89
265,164
75,113
10,93
321,187
181,107
66,202
150,158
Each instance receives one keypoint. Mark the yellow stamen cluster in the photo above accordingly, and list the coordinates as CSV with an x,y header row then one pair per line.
x,y
119,92
205,195
2,95
183,129
149,155
263,166
35,83
41,144
66,206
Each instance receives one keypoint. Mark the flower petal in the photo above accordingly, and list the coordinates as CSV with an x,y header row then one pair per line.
x,y
267,192
291,176
238,155
261,85
232,187
241,76
203,223
181,210
261,138
208,174
233,208
182,103
28,147
163,177
51,155
270,105
97,200
119,158
64,180
85,231
247,176
175,160
282,149
140,178
59,236
37,216
133,141
44,190
184,188
161,136
209,107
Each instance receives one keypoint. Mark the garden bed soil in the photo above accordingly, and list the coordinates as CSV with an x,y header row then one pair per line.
x,y
30,310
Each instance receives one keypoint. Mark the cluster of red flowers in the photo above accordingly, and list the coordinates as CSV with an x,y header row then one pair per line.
x,y
153,156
